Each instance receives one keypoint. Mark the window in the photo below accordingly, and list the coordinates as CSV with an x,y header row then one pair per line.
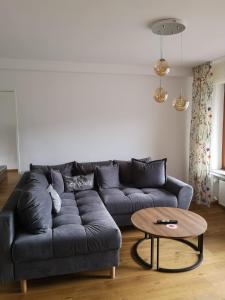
x,y
223,141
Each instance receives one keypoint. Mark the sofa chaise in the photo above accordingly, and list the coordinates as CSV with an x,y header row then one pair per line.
x,y
37,242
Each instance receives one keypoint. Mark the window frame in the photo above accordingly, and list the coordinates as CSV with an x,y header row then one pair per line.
x,y
223,141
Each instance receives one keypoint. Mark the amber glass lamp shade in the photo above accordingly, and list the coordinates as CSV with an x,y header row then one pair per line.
x,y
160,95
162,67
180,103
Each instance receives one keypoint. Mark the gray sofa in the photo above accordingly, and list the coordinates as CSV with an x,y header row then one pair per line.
x,y
84,235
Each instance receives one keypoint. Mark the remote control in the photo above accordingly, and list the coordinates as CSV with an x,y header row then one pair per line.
x,y
166,222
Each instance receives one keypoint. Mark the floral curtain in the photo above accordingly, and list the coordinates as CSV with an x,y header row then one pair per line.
x,y
200,135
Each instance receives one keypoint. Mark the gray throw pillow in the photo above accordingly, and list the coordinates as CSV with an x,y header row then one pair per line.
x,y
56,200
57,181
125,171
79,183
108,177
149,175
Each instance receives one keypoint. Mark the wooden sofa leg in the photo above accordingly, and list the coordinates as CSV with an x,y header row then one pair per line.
x,y
113,273
23,286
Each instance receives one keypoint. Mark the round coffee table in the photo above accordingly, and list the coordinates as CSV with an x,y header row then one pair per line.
x,y
189,225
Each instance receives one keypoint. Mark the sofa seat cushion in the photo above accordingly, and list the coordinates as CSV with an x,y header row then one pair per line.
x,y
84,226
127,200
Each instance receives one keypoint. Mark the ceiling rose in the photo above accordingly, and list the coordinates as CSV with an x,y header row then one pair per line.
x,y
168,26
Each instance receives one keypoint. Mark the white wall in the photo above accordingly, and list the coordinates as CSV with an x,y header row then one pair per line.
x,y
66,116
8,130
217,127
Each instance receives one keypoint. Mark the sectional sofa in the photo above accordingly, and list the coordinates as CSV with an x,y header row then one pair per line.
x,y
36,241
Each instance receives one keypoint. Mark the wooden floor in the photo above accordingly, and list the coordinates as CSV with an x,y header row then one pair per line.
x,y
133,282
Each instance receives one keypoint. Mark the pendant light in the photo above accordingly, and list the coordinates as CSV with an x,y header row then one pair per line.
x,y
161,67
164,27
180,103
160,94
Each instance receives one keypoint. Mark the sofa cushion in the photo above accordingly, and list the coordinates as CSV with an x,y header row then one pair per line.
x,y
128,200
65,169
108,177
34,209
149,175
79,183
84,226
57,181
89,167
56,200
39,168
125,169
37,179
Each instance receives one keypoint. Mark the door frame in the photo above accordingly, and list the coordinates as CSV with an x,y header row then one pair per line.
x,y
17,126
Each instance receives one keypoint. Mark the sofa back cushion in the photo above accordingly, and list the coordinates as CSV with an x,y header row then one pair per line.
x,y
34,209
149,175
37,179
39,168
125,170
89,167
65,169
108,177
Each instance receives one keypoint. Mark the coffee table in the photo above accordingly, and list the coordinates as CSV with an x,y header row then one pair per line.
x,y
189,225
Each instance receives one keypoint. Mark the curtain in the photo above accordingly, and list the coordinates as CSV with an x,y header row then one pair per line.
x,y
200,135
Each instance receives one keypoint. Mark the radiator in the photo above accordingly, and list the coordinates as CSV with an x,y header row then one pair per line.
x,y
222,192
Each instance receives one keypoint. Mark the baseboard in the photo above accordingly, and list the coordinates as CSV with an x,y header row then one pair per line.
x,y
12,170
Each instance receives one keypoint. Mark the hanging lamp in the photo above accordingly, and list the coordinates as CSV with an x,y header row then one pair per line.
x,y
161,67
180,103
165,27
161,94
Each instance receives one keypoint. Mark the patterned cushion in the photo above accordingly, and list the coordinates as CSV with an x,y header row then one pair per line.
x,y
79,183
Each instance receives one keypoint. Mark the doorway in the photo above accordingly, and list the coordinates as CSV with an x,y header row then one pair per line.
x,y
9,140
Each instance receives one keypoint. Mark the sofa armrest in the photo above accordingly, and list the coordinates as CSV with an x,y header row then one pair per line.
x,y
7,233
181,190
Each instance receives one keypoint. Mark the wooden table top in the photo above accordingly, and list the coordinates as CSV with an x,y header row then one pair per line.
x,y
189,224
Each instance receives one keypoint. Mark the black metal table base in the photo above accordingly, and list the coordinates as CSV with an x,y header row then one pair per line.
x,y
141,261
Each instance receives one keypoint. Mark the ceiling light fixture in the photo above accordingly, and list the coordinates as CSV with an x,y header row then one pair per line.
x,y
162,28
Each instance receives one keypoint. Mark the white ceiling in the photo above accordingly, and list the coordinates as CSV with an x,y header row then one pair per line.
x,y
109,31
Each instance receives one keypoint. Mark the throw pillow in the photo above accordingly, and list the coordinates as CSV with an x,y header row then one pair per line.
x,y
57,181
34,209
149,175
125,171
79,183
56,200
108,177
